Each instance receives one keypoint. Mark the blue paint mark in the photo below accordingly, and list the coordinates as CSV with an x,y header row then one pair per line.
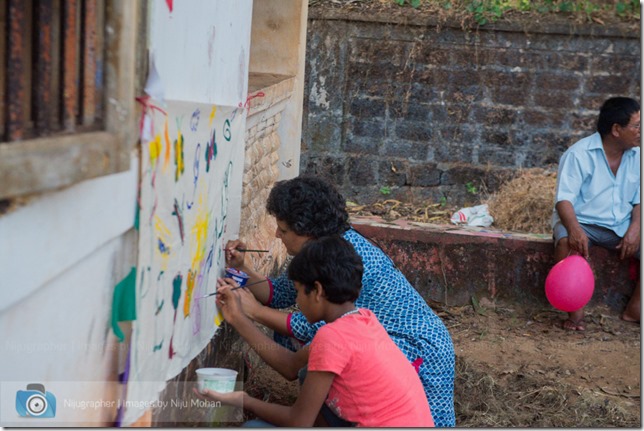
x,y
164,249
194,121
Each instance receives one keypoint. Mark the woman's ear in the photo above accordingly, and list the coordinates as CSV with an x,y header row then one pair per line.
x,y
318,291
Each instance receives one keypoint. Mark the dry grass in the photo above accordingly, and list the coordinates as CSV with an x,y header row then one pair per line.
x,y
522,204
525,400
525,203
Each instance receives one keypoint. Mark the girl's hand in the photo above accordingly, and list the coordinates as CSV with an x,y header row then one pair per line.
x,y
250,305
235,258
228,302
235,399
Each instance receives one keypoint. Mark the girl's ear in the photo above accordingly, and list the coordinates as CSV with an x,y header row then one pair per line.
x,y
318,291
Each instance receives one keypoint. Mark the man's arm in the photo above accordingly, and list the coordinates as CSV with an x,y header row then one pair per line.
x,y
629,245
577,239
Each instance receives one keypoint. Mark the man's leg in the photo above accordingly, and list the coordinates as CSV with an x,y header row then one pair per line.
x,y
632,311
575,321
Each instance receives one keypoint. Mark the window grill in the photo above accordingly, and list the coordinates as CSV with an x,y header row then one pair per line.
x,y
53,80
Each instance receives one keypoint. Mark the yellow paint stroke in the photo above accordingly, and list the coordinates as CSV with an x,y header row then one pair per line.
x,y
190,286
155,149
165,235
199,232
178,156
212,115
219,318
168,145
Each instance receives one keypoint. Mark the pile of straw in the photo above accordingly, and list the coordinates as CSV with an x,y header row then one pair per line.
x,y
525,203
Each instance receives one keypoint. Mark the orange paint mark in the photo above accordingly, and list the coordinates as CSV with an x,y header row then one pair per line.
x,y
190,285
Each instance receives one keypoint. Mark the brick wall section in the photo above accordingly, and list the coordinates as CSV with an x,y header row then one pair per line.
x,y
260,168
425,109
449,264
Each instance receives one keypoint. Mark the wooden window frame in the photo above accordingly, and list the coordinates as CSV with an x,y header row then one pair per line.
x,y
49,163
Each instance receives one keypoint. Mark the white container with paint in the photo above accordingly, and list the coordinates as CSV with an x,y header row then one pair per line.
x,y
216,379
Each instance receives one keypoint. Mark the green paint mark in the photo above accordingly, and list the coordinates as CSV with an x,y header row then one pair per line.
x,y
124,303
137,215
159,307
227,133
158,346
176,290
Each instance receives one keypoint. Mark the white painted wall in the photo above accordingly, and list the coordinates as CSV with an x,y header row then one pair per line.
x,y
62,253
60,257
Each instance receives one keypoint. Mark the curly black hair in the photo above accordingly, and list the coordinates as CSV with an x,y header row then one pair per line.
x,y
334,263
309,206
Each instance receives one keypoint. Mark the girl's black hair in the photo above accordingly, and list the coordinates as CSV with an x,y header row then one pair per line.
x,y
310,206
333,262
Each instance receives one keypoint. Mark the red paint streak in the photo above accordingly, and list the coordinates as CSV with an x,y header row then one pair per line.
x,y
169,3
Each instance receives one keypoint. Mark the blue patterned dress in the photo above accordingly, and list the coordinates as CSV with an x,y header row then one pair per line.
x,y
410,322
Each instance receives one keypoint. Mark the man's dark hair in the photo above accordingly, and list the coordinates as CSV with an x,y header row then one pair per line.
x,y
333,262
310,206
616,110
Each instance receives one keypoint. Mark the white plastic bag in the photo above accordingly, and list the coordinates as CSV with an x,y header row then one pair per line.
x,y
473,216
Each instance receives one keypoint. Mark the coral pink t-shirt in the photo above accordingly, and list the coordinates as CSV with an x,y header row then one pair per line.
x,y
374,385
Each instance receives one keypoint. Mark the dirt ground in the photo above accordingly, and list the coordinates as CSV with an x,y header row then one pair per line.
x,y
518,368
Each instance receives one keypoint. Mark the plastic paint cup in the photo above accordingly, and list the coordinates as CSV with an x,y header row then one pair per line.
x,y
216,379
239,276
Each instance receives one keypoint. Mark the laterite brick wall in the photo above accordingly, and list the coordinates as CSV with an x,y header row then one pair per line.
x,y
425,109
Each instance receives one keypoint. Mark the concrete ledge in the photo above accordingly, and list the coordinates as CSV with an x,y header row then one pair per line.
x,y
450,264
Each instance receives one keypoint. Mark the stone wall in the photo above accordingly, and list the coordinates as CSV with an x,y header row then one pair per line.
x,y
424,109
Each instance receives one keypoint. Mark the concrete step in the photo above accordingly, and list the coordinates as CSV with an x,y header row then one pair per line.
x,y
450,264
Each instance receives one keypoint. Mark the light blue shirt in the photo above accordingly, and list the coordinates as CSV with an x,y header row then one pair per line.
x,y
598,196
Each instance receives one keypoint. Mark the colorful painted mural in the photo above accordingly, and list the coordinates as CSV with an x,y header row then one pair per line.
x,y
192,161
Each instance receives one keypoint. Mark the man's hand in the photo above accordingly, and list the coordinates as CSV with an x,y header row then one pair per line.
x,y
578,241
629,245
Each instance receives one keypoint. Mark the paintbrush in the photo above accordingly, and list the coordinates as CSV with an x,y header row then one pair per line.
x,y
247,249
234,288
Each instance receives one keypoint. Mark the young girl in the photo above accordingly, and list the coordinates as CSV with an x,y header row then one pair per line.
x,y
354,368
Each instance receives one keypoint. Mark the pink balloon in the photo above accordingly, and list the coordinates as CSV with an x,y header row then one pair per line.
x,y
570,284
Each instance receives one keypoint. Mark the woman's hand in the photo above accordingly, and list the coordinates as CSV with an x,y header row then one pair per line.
x,y
234,257
235,399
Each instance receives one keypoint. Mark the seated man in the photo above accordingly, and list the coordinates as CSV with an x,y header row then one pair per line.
x,y
597,201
